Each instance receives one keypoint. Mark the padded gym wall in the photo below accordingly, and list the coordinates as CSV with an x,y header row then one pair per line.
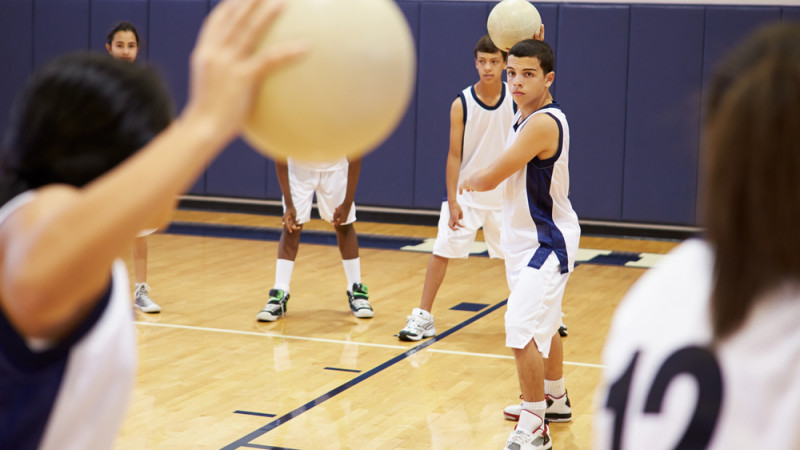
x,y
629,79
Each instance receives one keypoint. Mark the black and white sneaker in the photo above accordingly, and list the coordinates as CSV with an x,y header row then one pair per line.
x,y
359,301
275,307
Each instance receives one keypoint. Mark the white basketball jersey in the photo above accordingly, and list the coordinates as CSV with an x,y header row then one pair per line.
x,y
538,216
485,131
664,388
70,394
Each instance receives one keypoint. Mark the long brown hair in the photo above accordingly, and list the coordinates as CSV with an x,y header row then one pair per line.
x,y
752,150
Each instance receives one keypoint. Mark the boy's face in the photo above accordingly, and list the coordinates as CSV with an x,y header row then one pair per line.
x,y
490,66
527,81
123,46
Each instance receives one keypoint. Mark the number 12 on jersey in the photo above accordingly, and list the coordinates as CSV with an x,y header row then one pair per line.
x,y
696,362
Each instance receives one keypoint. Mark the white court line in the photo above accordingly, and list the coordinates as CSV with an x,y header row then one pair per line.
x,y
254,333
334,341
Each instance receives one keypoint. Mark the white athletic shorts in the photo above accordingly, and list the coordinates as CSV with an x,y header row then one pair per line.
x,y
534,306
457,243
330,187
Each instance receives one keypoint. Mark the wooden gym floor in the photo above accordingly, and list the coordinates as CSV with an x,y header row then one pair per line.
x,y
211,377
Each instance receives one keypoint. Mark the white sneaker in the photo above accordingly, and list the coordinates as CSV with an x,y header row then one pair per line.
x,y
142,299
558,409
418,326
538,440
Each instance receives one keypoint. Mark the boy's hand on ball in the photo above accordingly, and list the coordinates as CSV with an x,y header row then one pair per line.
x,y
539,35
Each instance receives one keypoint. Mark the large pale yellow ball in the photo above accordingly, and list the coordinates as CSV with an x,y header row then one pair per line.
x,y
348,93
511,21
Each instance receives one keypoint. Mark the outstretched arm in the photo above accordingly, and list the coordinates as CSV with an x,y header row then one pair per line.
x,y
539,137
54,263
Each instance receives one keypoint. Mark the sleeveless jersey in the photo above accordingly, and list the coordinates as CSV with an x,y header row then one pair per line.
x,y
70,394
485,130
538,216
663,387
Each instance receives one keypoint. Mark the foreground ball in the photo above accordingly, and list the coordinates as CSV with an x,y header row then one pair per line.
x,y
511,21
348,93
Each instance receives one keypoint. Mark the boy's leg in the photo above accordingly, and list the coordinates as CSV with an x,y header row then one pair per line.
x,y
434,276
420,323
140,260
559,408
279,295
301,188
449,244
357,292
141,293
531,321
347,239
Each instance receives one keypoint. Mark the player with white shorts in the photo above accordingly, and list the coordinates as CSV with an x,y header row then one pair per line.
x,y
327,180
539,239
334,184
479,121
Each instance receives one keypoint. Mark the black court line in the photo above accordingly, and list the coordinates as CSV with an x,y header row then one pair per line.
x,y
268,447
274,234
252,413
343,370
366,240
245,441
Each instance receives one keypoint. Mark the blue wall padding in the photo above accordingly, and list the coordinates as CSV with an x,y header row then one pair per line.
x,y
663,120
387,174
59,26
448,34
630,78
789,13
238,172
173,30
593,78
16,50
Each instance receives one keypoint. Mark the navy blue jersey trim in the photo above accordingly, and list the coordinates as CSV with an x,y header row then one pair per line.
x,y
484,105
540,205
14,349
464,111
538,179
551,161
30,381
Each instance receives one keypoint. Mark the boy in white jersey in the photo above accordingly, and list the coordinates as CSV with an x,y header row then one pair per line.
x,y
84,132
479,120
540,237
704,351
335,186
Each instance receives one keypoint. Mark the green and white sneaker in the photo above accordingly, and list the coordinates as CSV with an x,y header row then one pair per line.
x,y
359,301
275,307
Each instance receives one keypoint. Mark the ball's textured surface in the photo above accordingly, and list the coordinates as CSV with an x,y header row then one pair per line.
x,y
511,21
348,93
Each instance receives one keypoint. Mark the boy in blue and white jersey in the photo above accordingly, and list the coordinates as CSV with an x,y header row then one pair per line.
x,y
539,239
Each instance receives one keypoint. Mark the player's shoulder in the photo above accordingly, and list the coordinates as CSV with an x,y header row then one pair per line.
x,y
670,301
684,270
34,206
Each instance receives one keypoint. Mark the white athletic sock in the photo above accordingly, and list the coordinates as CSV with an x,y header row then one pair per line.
x,y
283,274
352,270
554,388
529,420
